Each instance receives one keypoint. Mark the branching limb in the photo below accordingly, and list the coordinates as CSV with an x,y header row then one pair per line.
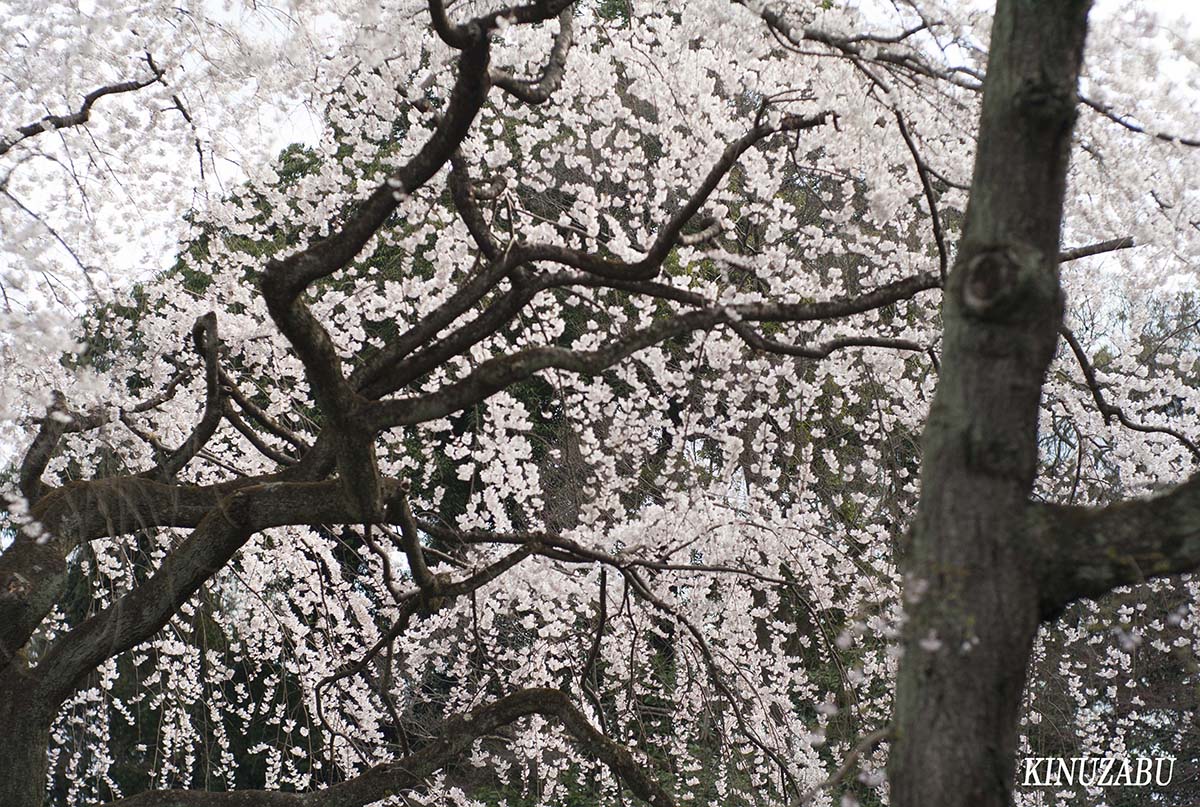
x,y
437,592
219,534
374,378
244,429
495,374
32,573
285,280
52,122
648,266
383,375
83,423
463,194
564,549
269,423
1109,411
1089,551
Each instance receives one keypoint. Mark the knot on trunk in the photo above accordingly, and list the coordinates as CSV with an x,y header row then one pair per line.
x,y
1046,103
998,279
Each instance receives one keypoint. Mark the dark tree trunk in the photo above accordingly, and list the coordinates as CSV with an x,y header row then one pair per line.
x,y
971,584
24,740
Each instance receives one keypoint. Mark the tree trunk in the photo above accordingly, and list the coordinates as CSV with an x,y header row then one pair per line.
x,y
24,740
971,588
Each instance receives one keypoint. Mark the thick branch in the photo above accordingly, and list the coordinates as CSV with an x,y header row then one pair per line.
x,y
1089,551
539,91
43,447
207,343
401,512
284,281
463,35
32,573
223,530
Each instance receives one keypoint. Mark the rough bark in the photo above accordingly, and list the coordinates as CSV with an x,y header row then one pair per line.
x,y
25,729
1089,551
972,586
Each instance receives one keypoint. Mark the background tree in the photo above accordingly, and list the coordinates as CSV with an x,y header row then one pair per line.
x,y
558,388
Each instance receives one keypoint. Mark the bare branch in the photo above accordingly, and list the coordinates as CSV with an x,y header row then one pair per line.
x,y
270,424
935,219
84,113
1109,411
1098,248
267,451
1107,111
821,350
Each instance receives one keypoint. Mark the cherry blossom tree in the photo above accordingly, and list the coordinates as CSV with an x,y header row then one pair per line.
x,y
692,402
